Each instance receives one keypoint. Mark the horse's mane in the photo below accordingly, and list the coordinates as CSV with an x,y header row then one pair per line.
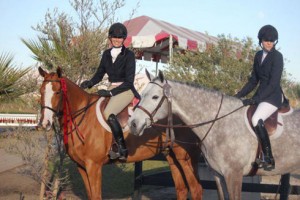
x,y
200,87
70,81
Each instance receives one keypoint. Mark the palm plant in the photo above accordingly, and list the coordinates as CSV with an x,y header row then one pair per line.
x,y
10,78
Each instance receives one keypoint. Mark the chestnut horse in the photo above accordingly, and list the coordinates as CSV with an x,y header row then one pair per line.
x,y
88,143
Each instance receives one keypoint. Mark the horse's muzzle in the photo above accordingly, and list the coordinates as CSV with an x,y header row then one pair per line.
x,y
135,129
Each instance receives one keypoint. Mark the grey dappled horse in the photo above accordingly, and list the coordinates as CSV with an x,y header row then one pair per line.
x,y
227,143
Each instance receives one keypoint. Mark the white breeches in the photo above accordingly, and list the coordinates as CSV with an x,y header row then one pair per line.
x,y
263,111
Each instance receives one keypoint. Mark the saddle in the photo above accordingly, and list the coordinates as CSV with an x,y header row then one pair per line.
x,y
270,123
123,116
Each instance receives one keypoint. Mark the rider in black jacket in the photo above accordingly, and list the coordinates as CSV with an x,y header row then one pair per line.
x,y
118,63
267,71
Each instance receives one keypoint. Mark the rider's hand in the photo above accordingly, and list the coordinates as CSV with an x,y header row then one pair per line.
x,y
247,102
104,93
86,84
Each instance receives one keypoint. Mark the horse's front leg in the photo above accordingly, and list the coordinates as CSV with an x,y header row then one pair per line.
x,y
94,174
221,187
85,179
234,182
180,186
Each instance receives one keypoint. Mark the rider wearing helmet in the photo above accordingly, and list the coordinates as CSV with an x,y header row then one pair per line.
x,y
118,63
266,73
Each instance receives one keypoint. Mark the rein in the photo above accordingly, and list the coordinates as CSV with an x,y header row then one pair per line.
x,y
170,126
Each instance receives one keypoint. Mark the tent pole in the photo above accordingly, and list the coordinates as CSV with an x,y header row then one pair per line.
x,y
170,49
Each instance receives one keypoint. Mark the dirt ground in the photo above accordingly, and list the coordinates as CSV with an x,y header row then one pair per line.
x,y
16,186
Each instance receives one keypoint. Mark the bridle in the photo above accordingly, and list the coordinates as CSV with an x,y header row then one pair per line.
x,y
167,96
167,91
66,112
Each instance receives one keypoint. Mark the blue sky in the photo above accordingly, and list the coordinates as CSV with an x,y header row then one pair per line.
x,y
238,18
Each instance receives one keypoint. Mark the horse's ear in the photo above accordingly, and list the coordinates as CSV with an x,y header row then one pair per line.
x,y
161,76
42,72
150,77
59,71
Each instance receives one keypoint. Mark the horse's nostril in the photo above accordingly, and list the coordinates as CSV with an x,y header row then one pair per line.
x,y
133,124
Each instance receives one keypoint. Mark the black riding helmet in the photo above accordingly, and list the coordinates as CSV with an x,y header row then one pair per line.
x,y
268,33
117,30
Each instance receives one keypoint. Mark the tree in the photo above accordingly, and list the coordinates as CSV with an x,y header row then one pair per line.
x,y
225,66
73,42
11,83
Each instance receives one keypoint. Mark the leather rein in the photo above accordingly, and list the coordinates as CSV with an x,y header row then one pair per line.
x,y
167,91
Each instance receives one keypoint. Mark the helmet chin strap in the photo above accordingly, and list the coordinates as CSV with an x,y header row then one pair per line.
x,y
116,46
266,49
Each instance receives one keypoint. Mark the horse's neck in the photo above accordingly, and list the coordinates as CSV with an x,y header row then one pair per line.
x,y
76,96
195,105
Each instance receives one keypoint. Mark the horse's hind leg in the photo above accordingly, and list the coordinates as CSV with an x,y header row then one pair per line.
x,y
85,180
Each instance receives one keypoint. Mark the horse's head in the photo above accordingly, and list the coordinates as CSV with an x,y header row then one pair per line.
x,y
153,105
51,97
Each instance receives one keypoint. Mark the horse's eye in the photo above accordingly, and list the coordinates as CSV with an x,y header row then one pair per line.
x,y
155,97
58,92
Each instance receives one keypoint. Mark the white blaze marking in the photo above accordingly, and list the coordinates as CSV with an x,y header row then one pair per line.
x,y
48,114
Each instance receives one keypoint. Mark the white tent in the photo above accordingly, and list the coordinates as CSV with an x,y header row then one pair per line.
x,y
156,39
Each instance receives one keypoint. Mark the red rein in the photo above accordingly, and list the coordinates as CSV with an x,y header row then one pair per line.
x,y
67,114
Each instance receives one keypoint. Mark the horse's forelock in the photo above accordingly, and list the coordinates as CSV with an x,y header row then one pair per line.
x,y
161,76
59,72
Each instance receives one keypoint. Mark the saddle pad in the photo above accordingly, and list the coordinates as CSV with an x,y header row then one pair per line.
x,y
277,133
101,119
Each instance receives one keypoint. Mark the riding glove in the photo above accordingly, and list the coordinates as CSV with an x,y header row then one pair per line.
x,y
86,84
104,93
247,102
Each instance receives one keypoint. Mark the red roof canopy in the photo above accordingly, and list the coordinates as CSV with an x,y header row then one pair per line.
x,y
153,37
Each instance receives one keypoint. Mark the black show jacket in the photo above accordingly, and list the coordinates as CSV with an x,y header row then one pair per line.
x,y
268,75
122,70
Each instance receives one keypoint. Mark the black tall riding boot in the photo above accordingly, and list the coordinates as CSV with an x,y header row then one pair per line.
x,y
261,132
119,138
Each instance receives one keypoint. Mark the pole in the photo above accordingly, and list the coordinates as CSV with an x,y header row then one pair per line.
x,y
170,49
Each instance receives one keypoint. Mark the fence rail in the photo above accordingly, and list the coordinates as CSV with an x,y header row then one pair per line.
x,y
165,179
18,119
